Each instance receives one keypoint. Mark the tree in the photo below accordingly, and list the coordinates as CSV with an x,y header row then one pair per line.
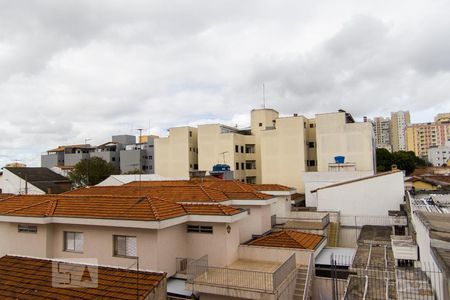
x,y
384,160
133,172
404,160
91,171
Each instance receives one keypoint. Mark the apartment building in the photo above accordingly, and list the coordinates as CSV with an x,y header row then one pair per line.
x,y
176,156
382,130
422,136
399,121
273,149
122,151
439,155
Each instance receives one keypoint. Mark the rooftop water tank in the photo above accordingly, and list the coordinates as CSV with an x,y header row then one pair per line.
x,y
339,159
221,167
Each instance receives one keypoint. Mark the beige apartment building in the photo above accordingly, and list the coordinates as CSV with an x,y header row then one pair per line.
x,y
177,155
420,137
399,121
273,150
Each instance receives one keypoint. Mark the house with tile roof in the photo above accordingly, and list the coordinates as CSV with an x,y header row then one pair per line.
x,y
258,205
35,181
118,229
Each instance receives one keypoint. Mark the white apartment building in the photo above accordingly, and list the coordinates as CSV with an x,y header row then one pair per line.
x,y
439,155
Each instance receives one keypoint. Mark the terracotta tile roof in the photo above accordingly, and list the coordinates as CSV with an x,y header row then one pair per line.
x,y
289,239
216,209
271,187
179,191
4,196
31,278
175,193
105,207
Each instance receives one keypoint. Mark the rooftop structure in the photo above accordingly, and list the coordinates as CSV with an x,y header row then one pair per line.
x,y
29,180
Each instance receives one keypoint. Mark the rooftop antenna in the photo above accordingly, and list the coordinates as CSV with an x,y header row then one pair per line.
x,y
264,96
223,155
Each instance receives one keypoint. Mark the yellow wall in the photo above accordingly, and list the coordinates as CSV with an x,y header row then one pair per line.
x,y
283,152
176,154
335,137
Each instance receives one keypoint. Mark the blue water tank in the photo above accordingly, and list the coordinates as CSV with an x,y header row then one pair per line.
x,y
221,167
339,159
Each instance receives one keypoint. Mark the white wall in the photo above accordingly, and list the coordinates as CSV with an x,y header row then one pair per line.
x,y
258,221
12,184
314,180
369,197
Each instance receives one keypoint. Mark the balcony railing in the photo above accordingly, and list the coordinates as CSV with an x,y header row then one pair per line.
x,y
198,272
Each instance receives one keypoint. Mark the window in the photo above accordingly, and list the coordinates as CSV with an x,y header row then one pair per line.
x,y
260,124
27,228
125,246
250,148
190,133
199,229
73,241
242,149
150,157
113,159
311,144
242,166
250,165
237,166
251,179
236,149
311,163
311,125
195,166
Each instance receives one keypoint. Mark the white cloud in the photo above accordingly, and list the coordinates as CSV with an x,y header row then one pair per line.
x,y
71,70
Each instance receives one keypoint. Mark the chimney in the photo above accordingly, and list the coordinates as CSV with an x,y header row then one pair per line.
x,y
295,115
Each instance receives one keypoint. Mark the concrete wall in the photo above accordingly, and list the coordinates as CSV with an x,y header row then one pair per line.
x,y
369,197
282,207
23,243
71,159
283,152
335,137
112,157
257,223
175,155
13,184
52,160
274,254
314,180
221,247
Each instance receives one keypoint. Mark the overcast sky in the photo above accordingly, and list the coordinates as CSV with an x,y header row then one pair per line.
x,y
71,70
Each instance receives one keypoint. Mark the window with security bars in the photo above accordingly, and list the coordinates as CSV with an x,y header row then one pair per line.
x,y
27,228
199,229
73,241
125,246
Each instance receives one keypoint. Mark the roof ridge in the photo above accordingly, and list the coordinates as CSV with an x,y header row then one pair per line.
x,y
152,207
25,207
51,209
203,189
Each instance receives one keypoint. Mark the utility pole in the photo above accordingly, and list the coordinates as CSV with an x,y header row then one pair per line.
x,y
88,161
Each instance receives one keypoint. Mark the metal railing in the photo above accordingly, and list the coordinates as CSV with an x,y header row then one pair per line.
x,y
309,278
284,270
198,272
379,280
234,278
